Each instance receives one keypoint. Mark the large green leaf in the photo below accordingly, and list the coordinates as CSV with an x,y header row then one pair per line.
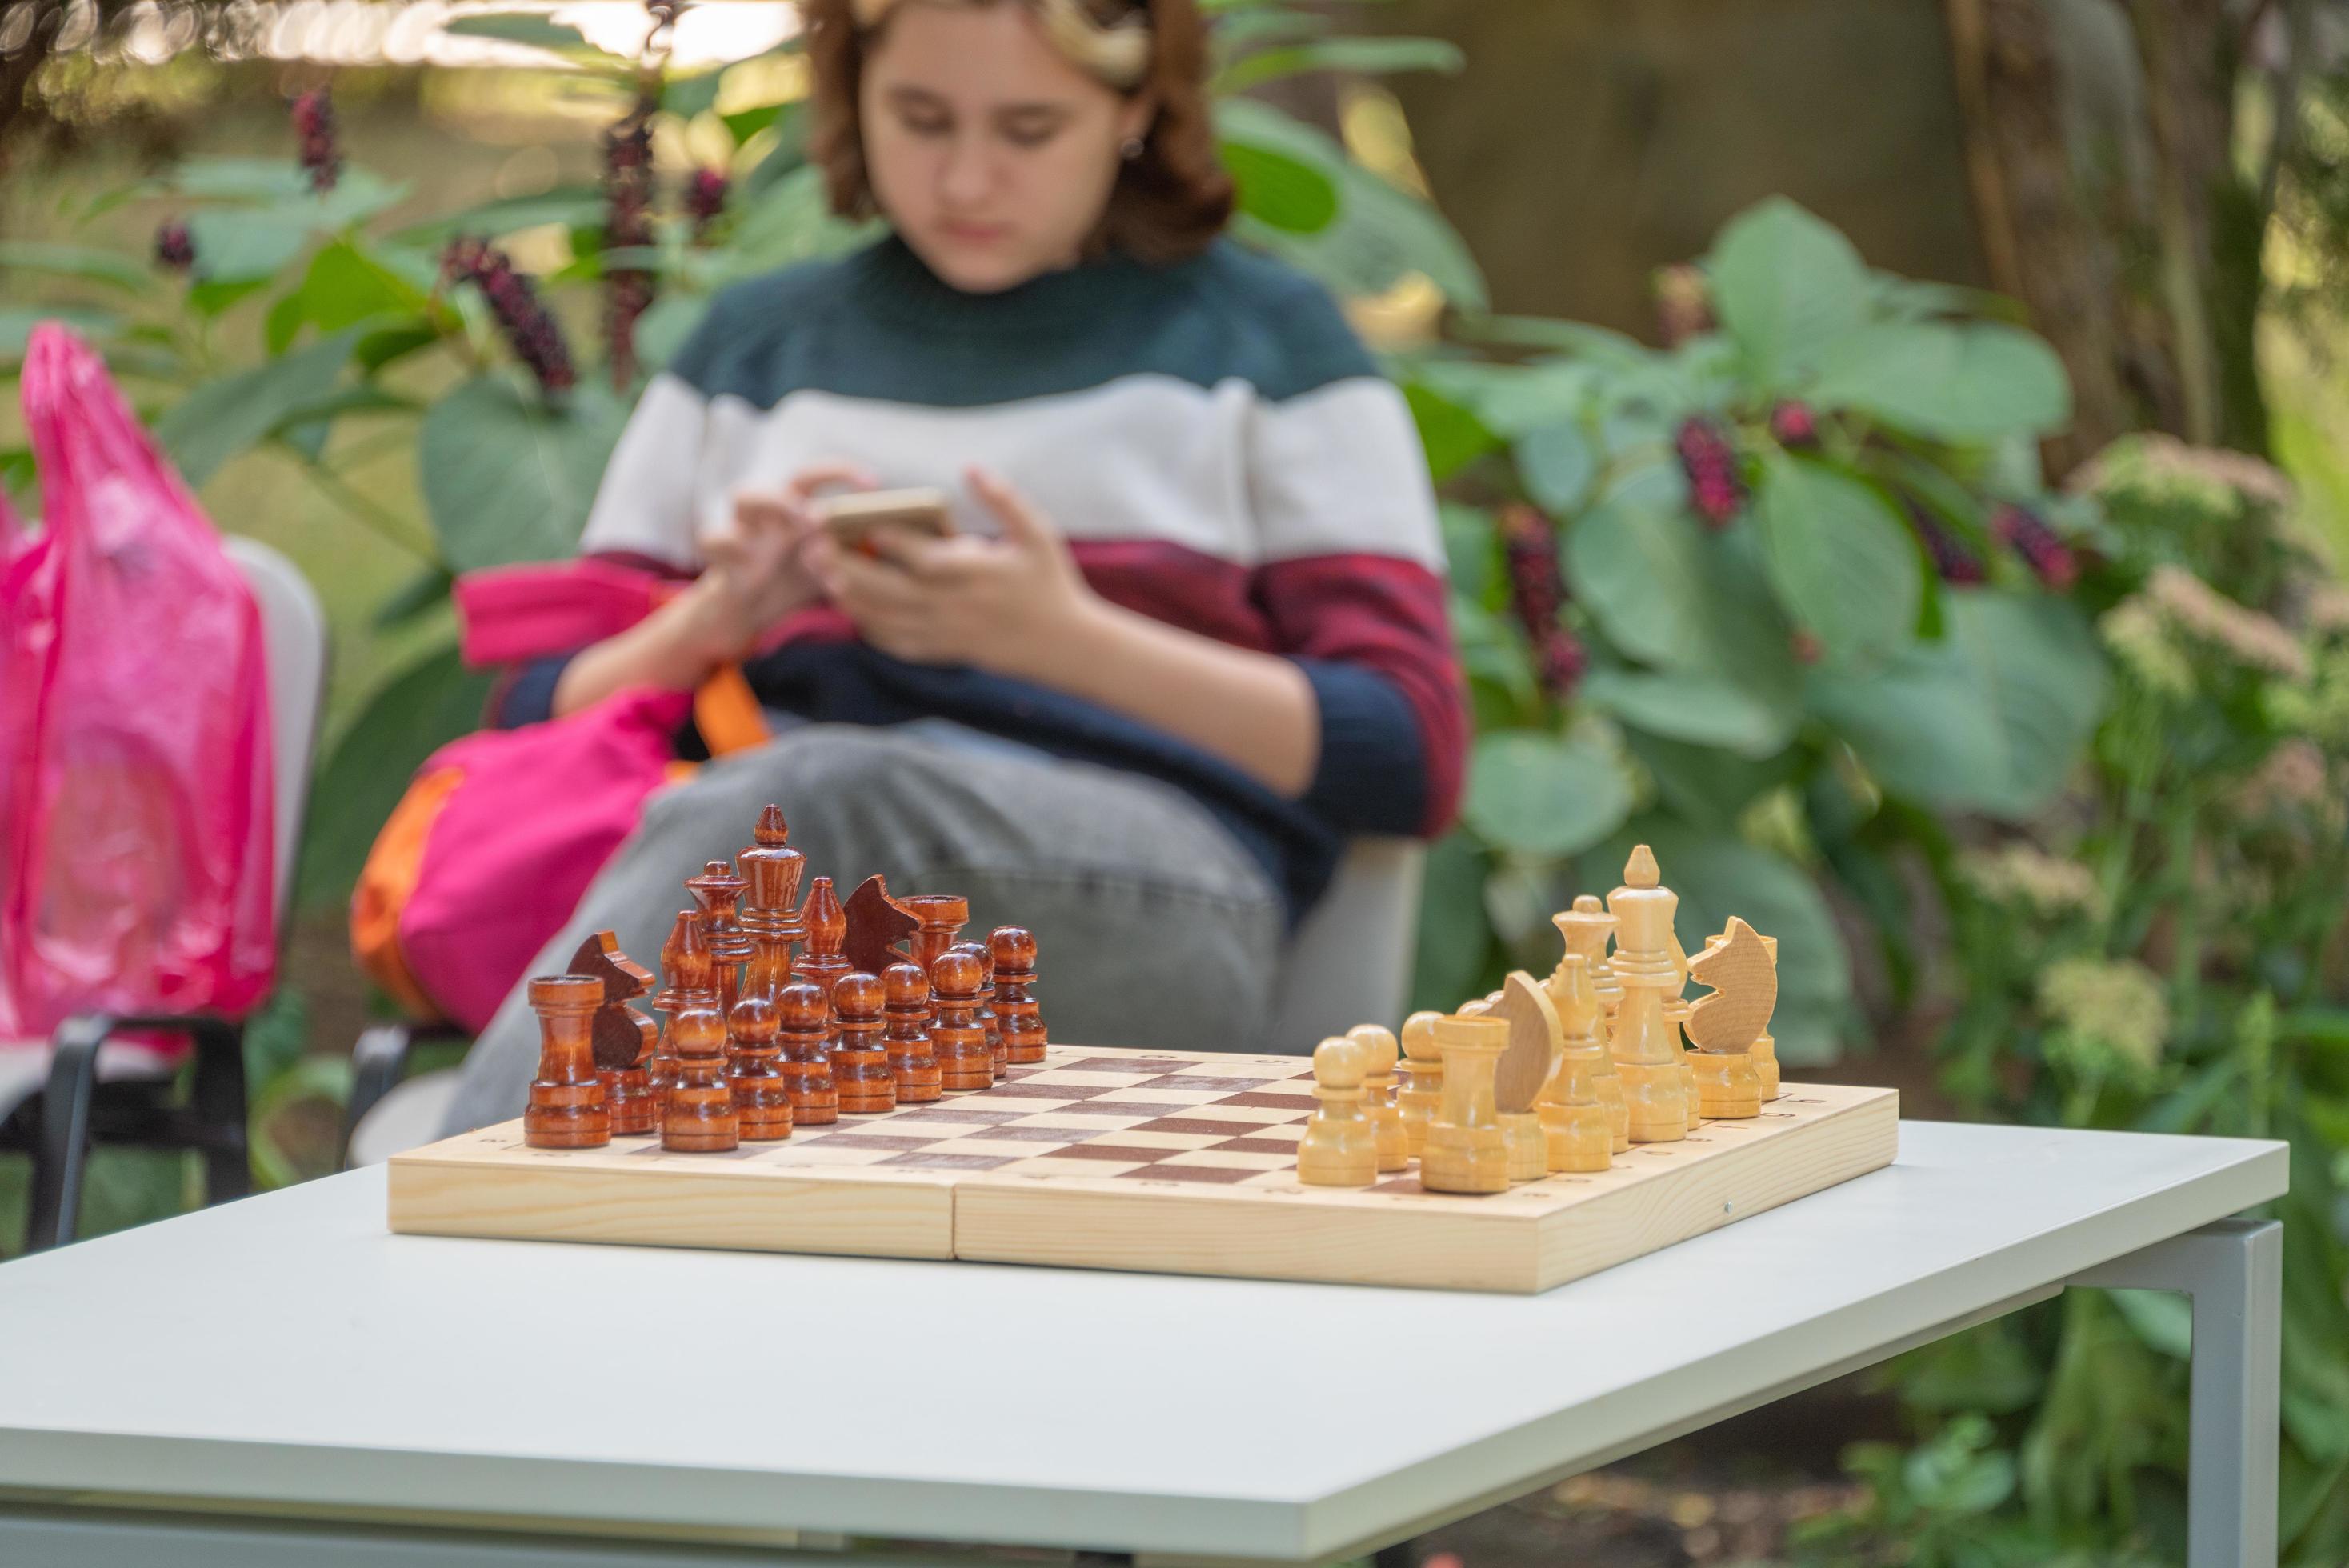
x,y
344,287
1279,185
1844,565
1951,382
1511,399
1703,784
1360,55
1718,875
1537,794
236,244
85,261
508,478
1705,710
572,206
223,419
1989,718
1784,285
1454,938
410,716
1671,593
1556,464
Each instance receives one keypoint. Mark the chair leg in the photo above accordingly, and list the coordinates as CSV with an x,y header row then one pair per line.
x,y
64,1147
377,1063
217,1101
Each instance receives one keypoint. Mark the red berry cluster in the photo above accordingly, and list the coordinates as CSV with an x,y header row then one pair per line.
x,y
2028,535
704,201
1953,560
313,122
529,326
627,223
1711,463
174,246
1794,425
1537,594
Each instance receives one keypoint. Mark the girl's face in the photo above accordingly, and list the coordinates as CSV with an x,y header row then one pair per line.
x,y
991,154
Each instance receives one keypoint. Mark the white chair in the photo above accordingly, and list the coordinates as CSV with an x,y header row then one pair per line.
x,y
91,1084
1348,963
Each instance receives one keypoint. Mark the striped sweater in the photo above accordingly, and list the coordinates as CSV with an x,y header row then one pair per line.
x,y
1217,447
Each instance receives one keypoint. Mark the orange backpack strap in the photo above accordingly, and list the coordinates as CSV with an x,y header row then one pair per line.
x,y
389,880
728,714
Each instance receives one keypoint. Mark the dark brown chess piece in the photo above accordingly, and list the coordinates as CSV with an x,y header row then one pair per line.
x,y
754,1073
827,929
907,1035
876,924
805,1020
566,1100
860,1061
625,1038
955,1035
769,913
697,1116
985,1003
718,890
1017,1014
942,914
685,947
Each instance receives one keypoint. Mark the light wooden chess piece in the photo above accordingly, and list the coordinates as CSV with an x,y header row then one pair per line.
x,y
1340,1145
1535,1041
1380,1052
1578,1130
1602,972
1465,1150
1423,1091
1725,1023
1676,1011
1586,929
1765,1049
1645,1043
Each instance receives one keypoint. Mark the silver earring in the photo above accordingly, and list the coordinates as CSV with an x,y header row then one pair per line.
x,y
1133,148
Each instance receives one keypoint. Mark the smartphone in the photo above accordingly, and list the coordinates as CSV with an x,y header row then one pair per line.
x,y
854,517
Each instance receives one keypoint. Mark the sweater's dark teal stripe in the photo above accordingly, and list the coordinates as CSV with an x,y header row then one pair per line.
x,y
877,324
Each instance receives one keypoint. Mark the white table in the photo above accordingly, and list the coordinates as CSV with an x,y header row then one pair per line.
x,y
395,1400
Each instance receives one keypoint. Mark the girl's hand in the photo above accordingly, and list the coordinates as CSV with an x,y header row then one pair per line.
x,y
1014,605
757,569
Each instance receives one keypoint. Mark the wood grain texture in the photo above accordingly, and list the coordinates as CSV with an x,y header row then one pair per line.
x,y
809,1194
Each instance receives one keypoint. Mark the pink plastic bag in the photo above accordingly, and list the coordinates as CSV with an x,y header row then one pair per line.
x,y
136,857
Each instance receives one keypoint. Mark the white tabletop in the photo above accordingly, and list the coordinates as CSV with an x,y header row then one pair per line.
x,y
287,1350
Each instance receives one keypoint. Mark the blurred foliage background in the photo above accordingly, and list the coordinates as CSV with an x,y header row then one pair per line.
x,y
1916,518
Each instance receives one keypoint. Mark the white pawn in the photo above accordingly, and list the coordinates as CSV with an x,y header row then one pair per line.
x,y
1340,1145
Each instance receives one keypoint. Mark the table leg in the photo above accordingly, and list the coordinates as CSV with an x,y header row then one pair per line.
x,y
2232,1272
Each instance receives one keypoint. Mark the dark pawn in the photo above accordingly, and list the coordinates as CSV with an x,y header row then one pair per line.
x,y
754,1072
907,1037
860,1062
1017,1014
805,1020
957,1036
986,1022
697,1118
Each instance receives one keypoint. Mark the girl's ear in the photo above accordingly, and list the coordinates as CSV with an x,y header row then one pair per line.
x,y
1135,118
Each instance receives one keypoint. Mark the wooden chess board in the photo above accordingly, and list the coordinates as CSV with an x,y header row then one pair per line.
x,y
1164,1161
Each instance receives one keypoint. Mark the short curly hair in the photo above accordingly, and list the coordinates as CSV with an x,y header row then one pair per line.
x,y
1170,202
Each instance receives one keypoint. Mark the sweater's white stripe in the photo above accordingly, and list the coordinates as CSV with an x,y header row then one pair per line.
x,y
1217,469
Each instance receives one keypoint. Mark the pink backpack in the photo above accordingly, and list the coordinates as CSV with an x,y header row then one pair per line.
x,y
136,869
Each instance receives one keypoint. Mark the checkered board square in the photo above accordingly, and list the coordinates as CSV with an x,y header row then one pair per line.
x,y
1124,1159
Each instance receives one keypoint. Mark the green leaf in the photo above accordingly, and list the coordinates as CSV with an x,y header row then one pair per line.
x,y
1357,55
85,261
1536,794
223,419
1557,465
236,244
1701,710
1963,384
535,31
1844,565
423,707
344,287
1451,437
1783,283
211,299
1989,718
1278,189
381,346
1511,399
1718,875
572,206
1671,593
16,323
507,478
1703,783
